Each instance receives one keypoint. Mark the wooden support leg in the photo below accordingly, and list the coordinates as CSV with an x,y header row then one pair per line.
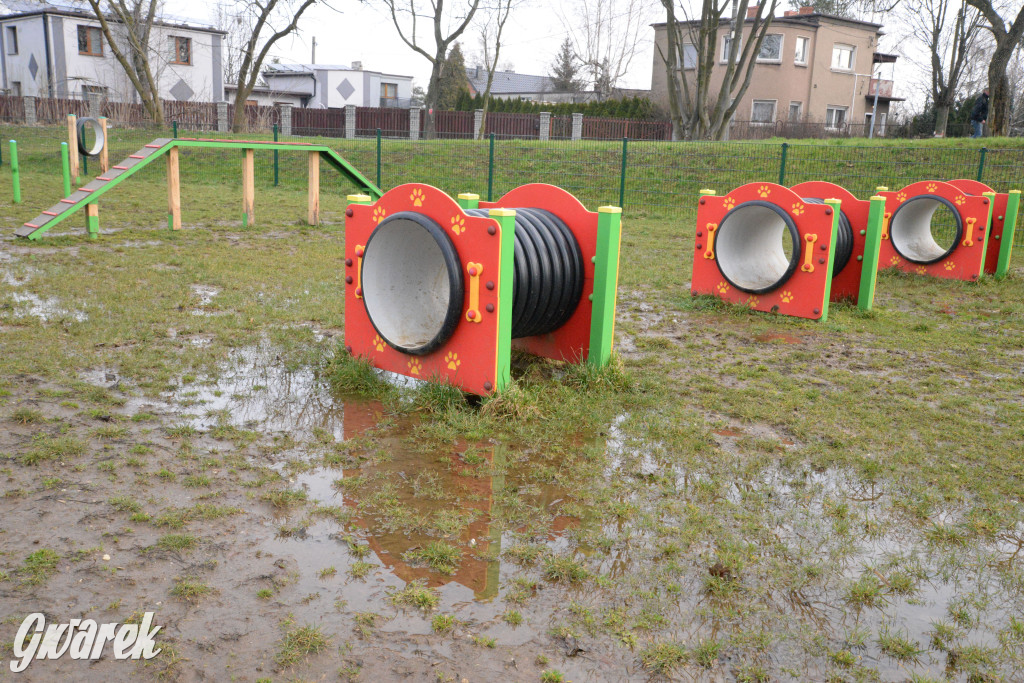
x,y
313,217
73,146
104,157
92,220
248,190
173,190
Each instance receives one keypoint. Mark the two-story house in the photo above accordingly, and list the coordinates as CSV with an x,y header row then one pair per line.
x,y
812,67
56,48
332,85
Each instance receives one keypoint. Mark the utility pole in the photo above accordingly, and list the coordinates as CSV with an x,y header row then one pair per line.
x,y
313,58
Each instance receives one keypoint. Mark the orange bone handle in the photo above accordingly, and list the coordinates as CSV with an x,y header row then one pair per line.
x,y
885,224
808,266
709,253
969,232
473,314
359,270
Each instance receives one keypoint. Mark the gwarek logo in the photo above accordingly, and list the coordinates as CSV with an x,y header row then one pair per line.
x,y
82,639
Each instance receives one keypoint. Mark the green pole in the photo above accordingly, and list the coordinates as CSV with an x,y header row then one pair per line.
x,y
378,157
782,164
981,163
174,127
16,172
275,158
490,172
622,175
65,165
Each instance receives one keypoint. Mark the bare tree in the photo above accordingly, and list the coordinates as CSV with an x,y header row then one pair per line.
x,y
266,22
698,112
1007,39
949,30
129,42
447,27
607,35
490,45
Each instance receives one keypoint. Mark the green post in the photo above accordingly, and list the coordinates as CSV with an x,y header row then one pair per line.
x,y
490,172
606,281
782,163
92,220
622,174
275,170
469,200
835,205
174,127
872,245
378,157
506,219
65,165
1009,227
16,172
981,163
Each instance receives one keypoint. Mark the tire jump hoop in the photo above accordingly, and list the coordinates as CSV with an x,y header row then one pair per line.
x,y
768,248
99,134
442,290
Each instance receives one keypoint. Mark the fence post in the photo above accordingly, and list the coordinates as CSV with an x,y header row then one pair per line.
x,y
577,126
414,124
174,128
782,164
490,171
378,157
622,178
30,111
65,167
350,121
15,172
545,125
286,119
222,117
478,118
276,177
981,163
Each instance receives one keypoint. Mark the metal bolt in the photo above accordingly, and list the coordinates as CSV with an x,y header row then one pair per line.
x,y
348,262
817,311
348,348
490,284
699,247
824,247
700,234
821,260
702,201
349,212
490,308
488,386
491,230
348,279
863,232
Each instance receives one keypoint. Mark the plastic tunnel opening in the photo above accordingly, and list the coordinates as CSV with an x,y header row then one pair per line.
x,y
925,229
757,247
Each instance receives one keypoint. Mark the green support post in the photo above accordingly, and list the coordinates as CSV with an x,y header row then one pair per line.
x,y
606,280
174,128
490,172
782,164
872,245
469,200
16,172
622,174
65,165
1009,227
378,157
276,169
506,219
92,220
835,205
981,163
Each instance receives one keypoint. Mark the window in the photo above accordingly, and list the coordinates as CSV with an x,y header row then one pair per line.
x,y
771,48
727,45
763,111
93,89
182,48
12,40
388,91
796,111
802,43
842,57
90,41
689,57
835,117
16,88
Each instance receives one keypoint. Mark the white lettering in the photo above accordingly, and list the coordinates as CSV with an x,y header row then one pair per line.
x,y
81,644
145,644
33,622
82,639
106,633
51,647
125,638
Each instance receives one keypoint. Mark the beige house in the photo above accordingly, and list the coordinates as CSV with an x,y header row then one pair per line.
x,y
812,68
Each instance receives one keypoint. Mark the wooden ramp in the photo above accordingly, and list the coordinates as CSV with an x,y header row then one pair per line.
x,y
91,192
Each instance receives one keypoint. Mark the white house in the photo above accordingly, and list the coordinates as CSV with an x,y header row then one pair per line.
x,y
55,48
266,96
331,85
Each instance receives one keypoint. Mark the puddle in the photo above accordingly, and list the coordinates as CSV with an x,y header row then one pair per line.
x,y
46,309
205,295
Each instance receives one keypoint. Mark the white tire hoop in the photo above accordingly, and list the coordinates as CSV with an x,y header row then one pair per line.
x,y
100,141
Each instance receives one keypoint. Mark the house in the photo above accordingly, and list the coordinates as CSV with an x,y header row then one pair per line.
x,y
56,48
508,85
331,85
265,96
812,67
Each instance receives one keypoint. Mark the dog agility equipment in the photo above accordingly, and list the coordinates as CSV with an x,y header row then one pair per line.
x,y
439,289
1004,219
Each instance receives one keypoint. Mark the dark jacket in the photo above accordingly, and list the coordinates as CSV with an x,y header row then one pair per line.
x,y
980,111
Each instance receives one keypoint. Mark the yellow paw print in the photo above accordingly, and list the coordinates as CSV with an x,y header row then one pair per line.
x,y
949,265
798,209
378,344
753,302
901,196
729,203
921,270
723,287
786,296
417,197
960,200
415,366
452,359
931,187
458,224
378,214
764,191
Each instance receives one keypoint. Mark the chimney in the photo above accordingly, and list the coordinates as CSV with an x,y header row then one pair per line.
x,y
807,10
790,13
477,71
751,11
357,66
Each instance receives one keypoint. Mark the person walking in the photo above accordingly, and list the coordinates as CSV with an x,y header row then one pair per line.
x,y
979,115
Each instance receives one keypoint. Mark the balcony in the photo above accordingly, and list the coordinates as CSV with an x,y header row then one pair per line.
x,y
396,103
884,89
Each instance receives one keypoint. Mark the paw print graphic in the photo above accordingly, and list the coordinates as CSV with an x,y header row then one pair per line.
x,y
894,261
949,265
452,359
729,203
753,301
931,187
901,197
798,209
960,200
764,191
378,214
722,287
786,296
921,270
417,197
458,225
415,366
378,344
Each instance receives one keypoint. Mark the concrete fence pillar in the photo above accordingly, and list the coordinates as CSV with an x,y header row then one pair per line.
x,y
286,119
30,111
95,105
350,121
545,125
577,126
222,117
478,118
414,123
